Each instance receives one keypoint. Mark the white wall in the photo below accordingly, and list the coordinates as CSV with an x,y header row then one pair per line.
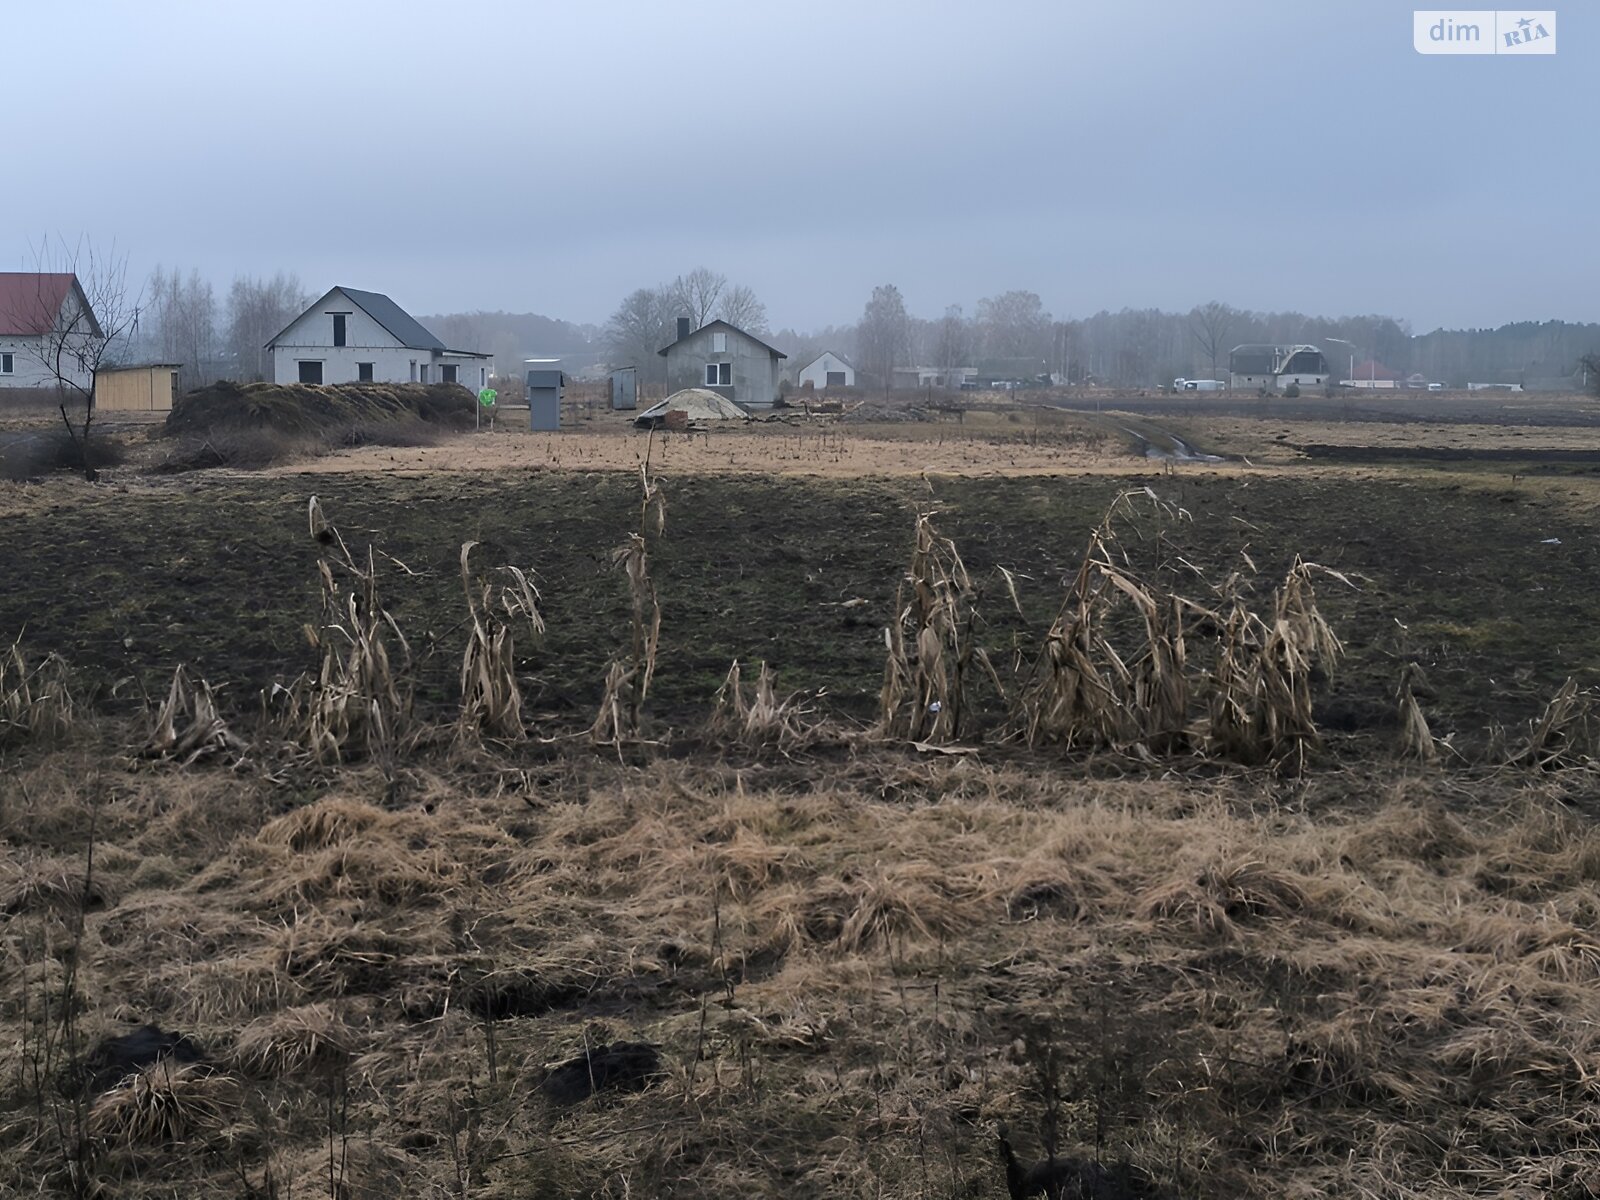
x,y
310,337
30,356
817,373
28,369
339,365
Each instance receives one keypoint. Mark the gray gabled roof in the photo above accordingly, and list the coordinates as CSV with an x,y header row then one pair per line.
x,y
395,319
406,329
772,350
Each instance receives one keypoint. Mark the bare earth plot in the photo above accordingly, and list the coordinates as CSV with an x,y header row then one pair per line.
x,y
788,956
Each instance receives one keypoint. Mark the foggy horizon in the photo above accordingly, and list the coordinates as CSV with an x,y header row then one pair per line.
x,y
1145,156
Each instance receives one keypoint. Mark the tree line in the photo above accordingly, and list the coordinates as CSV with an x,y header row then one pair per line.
x,y
1131,348
182,320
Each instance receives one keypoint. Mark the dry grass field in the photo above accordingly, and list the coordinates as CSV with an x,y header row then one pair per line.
x,y
1168,829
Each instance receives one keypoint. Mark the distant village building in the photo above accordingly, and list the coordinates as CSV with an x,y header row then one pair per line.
x,y
934,377
724,359
37,309
1276,367
827,370
1011,372
351,336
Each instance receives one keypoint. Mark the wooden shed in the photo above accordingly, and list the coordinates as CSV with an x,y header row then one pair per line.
x,y
148,388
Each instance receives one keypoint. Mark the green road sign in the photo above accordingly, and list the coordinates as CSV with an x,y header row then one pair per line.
x,y
487,397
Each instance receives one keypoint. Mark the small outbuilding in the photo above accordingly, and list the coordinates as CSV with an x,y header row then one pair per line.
x,y
828,369
151,387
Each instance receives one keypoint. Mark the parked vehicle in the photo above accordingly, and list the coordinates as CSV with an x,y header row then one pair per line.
x,y
1198,385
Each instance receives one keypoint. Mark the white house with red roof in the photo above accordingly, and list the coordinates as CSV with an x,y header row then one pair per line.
x,y
41,312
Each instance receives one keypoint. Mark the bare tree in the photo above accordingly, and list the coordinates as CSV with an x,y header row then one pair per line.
x,y
258,310
181,320
1209,325
739,307
883,334
82,316
1590,364
641,325
1014,325
952,340
695,295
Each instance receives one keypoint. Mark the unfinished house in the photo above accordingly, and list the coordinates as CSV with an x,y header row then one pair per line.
x,y
726,360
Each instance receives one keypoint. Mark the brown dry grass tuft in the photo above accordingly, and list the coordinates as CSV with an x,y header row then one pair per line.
x,y
166,1105
35,702
310,1040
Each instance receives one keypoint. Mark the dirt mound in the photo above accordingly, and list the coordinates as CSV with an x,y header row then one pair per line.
x,y
625,1066
115,1058
257,424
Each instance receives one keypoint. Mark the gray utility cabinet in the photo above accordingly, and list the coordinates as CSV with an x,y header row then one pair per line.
x,y
544,399
625,388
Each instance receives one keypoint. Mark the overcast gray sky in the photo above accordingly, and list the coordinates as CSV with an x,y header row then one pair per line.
x,y
510,154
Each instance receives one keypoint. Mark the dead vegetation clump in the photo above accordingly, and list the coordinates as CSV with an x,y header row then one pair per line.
x,y
491,699
931,644
188,727
312,1039
1131,665
329,822
36,702
758,716
166,1104
1565,735
360,700
259,424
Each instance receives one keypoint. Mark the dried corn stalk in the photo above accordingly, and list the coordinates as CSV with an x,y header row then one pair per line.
x,y
188,727
1565,734
491,700
931,648
360,700
627,684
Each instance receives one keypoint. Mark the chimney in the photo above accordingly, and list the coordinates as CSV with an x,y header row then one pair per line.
x,y
683,328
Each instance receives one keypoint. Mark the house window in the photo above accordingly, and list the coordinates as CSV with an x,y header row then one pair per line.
x,y
835,379
719,374
423,372
310,372
483,377
7,364
363,372
413,370
447,373
338,329
719,343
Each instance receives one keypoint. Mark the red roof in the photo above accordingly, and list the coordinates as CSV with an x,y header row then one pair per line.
x,y
1374,370
30,301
